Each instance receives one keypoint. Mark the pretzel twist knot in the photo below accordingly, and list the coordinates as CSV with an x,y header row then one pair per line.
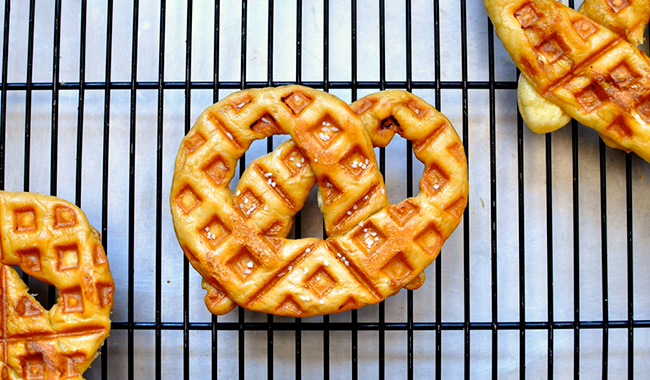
x,y
237,242
51,240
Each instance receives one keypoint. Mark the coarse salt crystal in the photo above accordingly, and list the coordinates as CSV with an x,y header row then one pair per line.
x,y
308,250
250,264
349,212
247,271
280,274
305,271
242,104
207,229
245,200
268,174
238,192
326,123
355,207
266,207
229,135
436,187
321,302
317,278
315,159
334,129
326,263
299,164
323,136
296,97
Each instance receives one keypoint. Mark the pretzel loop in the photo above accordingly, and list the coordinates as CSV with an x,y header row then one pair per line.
x,y
51,240
237,242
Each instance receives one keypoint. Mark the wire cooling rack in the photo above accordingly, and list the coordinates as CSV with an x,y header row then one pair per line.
x,y
545,277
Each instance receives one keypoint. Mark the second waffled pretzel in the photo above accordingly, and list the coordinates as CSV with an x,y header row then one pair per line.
x,y
373,248
596,76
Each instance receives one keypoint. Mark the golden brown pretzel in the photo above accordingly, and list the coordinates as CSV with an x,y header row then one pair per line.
x,y
596,76
51,240
373,249
626,18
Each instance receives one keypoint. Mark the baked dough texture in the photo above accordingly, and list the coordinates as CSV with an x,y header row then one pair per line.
x,y
51,240
626,18
595,75
237,242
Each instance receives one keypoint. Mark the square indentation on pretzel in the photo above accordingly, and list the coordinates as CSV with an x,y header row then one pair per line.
x,y
67,257
72,301
238,103
584,27
620,129
618,5
266,125
33,367
187,199
25,220
429,239
289,307
325,131
369,238
193,142
643,109
433,179
553,48
297,101
418,109
625,77
105,294
402,212
213,232
217,170
243,264
249,202
30,259
527,15
398,268
321,282
99,257
330,192
64,216
592,97
355,162
294,161
27,307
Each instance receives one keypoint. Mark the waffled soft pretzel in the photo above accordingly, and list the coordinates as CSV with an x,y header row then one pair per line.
x,y
373,249
51,240
596,76
626,18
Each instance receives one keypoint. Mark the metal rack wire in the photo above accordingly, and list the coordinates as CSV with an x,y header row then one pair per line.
x,y
126,119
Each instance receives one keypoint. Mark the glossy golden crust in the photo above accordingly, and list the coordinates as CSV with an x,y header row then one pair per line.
x,y
592,73
51,240
373,248
626,18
